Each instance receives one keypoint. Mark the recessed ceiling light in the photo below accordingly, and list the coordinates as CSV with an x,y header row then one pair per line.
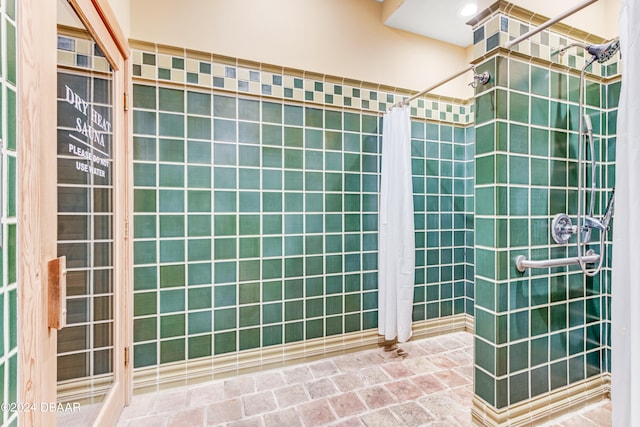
x,y
469,9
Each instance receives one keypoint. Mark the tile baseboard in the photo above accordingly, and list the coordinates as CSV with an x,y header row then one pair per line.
x,y
180,374
544,408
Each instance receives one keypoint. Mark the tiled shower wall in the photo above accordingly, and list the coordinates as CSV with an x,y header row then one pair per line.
x,y
8,287
255,207
546,328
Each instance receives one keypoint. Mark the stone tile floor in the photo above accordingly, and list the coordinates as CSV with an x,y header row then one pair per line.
x,y
430,386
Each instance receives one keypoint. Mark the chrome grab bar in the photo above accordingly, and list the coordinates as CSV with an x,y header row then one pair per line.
x,y
522,263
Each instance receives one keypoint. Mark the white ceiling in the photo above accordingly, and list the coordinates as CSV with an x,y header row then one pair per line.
x,y
437,19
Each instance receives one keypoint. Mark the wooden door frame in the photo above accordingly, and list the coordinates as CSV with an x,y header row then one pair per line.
x,y
37,204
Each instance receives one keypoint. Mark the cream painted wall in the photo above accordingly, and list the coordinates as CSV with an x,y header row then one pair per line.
x,y
599,18
344,38
122,10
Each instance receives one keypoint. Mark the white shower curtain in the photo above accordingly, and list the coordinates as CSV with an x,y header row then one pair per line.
x,y
625,283
396,247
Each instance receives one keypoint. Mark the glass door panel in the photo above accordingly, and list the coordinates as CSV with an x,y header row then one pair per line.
x,y
85,226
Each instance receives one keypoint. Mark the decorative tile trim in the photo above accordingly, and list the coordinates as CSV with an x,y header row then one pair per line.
x,y
85,391
77,50
152,379
185,67
545,407
505,23
532,19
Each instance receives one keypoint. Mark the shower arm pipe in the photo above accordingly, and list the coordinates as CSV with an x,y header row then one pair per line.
x,y
432,87
522,263
549,23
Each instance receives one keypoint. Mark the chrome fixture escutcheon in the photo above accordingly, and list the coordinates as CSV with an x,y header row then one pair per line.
x,y
562,228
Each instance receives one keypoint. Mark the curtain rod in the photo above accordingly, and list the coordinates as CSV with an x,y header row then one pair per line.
x,y
440,83
485,77
549,23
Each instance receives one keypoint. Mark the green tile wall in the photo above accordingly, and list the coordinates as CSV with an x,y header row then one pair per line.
x,y
8,208
442,164
255,219
546,328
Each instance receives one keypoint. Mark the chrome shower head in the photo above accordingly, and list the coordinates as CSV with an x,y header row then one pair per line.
x,y
603,52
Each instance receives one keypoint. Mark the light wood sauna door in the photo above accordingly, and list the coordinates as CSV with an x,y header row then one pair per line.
x,y
92,370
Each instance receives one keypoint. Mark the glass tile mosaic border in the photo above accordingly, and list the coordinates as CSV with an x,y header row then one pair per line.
x,y
499,28
8,207
82,53
186,68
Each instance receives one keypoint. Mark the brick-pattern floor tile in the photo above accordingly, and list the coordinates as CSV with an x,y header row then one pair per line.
x,y
139,407
349,422
150,421
169,402
348,363
206,394
297,375
247,422
189,418
432,346
321,388
224,411
369,358
428,383
288,417
316,413
238,386
412,414
259,403
291,395
432,386
460,356
347,382
451,378
404,390
269,381
420,365
442,362
381,418
347,404
374,375
376,397
441,405
323,369
397,370
600,416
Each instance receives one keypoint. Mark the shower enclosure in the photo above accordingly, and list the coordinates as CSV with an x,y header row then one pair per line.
x,y
562,227
542,325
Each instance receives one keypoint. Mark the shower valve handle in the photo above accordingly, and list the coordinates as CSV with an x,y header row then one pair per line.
x,y
562,228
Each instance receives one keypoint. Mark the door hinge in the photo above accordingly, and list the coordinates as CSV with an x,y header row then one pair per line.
x,y
126,356
126,101
126,229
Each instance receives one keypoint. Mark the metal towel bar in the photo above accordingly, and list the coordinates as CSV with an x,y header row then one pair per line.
x,y
522,263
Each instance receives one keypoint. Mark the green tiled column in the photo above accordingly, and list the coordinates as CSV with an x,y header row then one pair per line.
x,y
546,328
8,209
